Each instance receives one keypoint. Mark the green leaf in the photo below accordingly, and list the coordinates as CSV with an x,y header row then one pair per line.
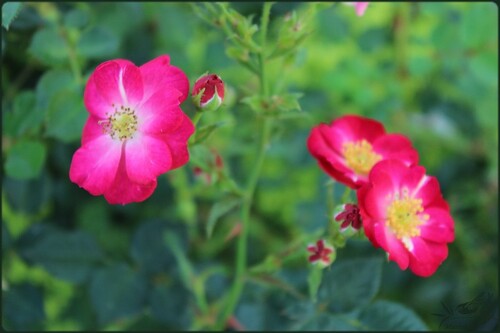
x,y
328,322
314,281
68,255
200,156
51,83
205,131
49,47
148,247
9,13
22,307
94,217
117,292
76,18
218,210
24,117
479,25
97,42
350,284
171,305
389,316
186,270
484,67
275,104
66,116
6,237
25,159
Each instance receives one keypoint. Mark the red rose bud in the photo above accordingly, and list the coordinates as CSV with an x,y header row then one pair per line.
x,y
349,215
208,92
322,253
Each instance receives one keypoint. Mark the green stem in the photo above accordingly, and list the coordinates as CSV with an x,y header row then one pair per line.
x,y
241,250
195,120
72,57
262,57
185,202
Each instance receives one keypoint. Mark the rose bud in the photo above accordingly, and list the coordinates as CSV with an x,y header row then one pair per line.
x,y
208,92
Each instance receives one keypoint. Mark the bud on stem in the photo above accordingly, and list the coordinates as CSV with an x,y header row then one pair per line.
x,y
208,92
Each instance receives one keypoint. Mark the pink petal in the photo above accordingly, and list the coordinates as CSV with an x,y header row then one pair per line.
x,y
396,146
146,157
368,221
338,172
94,101
124,191
91,130
94,165
361,7
427,256
323,142
423,187
389,242
177,142
355,128
382,191
158,75
393,169
119,82
160,113
440,226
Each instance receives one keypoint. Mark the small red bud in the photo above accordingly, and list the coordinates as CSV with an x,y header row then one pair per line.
x,y
208,92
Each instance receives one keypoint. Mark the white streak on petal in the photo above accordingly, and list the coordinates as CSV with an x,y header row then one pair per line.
x,y
122,88
407,243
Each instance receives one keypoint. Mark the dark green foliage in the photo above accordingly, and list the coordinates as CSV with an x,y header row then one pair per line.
x,y
117,292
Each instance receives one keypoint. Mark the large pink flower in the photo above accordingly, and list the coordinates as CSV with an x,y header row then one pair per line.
x,y
351,145
404,212
136,129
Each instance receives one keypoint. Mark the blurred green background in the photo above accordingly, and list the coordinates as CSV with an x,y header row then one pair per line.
x,y
70,261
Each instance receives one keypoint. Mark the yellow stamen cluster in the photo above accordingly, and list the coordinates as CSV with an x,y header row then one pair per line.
x,y
360,157
122,124
404,215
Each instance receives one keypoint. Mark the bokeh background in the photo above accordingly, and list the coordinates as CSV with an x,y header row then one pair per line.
x,y
70,261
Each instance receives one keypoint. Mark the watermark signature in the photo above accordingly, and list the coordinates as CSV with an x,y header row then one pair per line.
x,y
479,314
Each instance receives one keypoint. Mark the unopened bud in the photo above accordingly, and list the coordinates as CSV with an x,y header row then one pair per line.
x,y
322,253
208,92
349,216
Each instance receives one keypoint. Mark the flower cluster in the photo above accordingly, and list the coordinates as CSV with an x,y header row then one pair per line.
x,y
401,208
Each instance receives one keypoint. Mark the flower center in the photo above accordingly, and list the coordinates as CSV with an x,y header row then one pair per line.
x,y
360,157
122,124
404,215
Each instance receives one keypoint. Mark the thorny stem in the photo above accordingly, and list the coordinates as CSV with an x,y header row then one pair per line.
x,y
241,251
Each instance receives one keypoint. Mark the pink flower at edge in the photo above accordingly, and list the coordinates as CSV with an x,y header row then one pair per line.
x,y
351,145
360,7
403,212
136,129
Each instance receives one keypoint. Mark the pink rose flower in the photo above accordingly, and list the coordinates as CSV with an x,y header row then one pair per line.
x,y
136,129
404,212
351,145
